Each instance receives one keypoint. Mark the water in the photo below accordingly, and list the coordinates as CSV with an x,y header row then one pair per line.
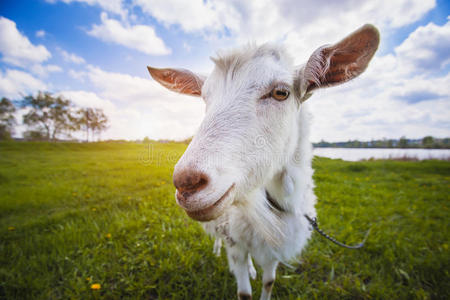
x,y
355,154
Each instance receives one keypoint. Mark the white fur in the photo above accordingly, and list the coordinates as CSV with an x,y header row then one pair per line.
x,y
257,144
249,144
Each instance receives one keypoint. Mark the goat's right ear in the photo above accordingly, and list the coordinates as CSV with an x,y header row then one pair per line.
x,y
335,64
178,80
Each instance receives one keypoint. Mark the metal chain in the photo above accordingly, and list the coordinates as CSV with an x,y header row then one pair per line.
x,y
313,222
273,204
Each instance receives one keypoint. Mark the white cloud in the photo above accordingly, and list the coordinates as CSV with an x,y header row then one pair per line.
x,y
44,70
400,12
394,97
341,114
427,48
139,37
88,99
40,33
123,122
303,25
71,57
402,93
417,89
16,49
78,75
329,22
15,84
122,87
388,100
191,15
113,6
138,107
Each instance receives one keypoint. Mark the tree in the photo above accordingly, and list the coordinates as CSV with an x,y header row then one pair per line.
x,y
7,119
34,135
92,120
100,122
49,115
403,142
390,143
84,120
427,142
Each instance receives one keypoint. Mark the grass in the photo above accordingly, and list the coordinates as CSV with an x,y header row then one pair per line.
x,y
99,221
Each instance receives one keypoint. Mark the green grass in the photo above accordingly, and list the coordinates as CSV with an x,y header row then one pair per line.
x,y
72,215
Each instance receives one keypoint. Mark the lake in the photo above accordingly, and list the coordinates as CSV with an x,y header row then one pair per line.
x,y
355,154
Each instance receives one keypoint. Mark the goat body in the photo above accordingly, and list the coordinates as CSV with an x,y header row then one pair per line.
x,y
247,173
254,228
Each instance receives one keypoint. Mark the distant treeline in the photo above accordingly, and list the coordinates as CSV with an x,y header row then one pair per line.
x,y
427,142
50,118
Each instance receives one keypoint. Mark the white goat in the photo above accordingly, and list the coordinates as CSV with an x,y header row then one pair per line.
x,y
247,172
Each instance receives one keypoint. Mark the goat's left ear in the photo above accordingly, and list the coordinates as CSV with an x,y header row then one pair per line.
x,y
179,80
338,63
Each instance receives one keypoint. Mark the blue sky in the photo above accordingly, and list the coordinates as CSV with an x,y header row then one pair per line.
x,y
95,52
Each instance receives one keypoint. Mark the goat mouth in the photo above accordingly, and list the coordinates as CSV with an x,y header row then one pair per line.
x,y
211,212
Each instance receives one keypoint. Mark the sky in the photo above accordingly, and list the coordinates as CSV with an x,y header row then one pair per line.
x,y
95,53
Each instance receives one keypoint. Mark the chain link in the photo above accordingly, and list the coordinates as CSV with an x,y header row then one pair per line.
x,y
313,222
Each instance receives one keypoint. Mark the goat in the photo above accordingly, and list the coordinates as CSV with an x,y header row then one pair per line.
x,y
247,173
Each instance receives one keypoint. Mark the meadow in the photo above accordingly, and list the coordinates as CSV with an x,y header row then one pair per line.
x,y
99,221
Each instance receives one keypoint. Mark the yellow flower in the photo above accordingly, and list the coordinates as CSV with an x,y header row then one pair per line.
x,y
74,194
95,286
88,196
129,197
88,278
108,235
94,209
11,228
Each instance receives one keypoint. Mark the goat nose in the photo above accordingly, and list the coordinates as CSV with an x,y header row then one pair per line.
x,y
189,182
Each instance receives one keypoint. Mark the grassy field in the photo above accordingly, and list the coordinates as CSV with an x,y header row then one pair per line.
x,y
99,221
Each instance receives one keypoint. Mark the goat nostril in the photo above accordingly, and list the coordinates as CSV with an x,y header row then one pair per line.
x,y
189,182
203,181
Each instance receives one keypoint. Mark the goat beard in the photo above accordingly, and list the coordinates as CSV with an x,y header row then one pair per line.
x,y
266,221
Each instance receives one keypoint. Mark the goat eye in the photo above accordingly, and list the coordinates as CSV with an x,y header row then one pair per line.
x,y
279,94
